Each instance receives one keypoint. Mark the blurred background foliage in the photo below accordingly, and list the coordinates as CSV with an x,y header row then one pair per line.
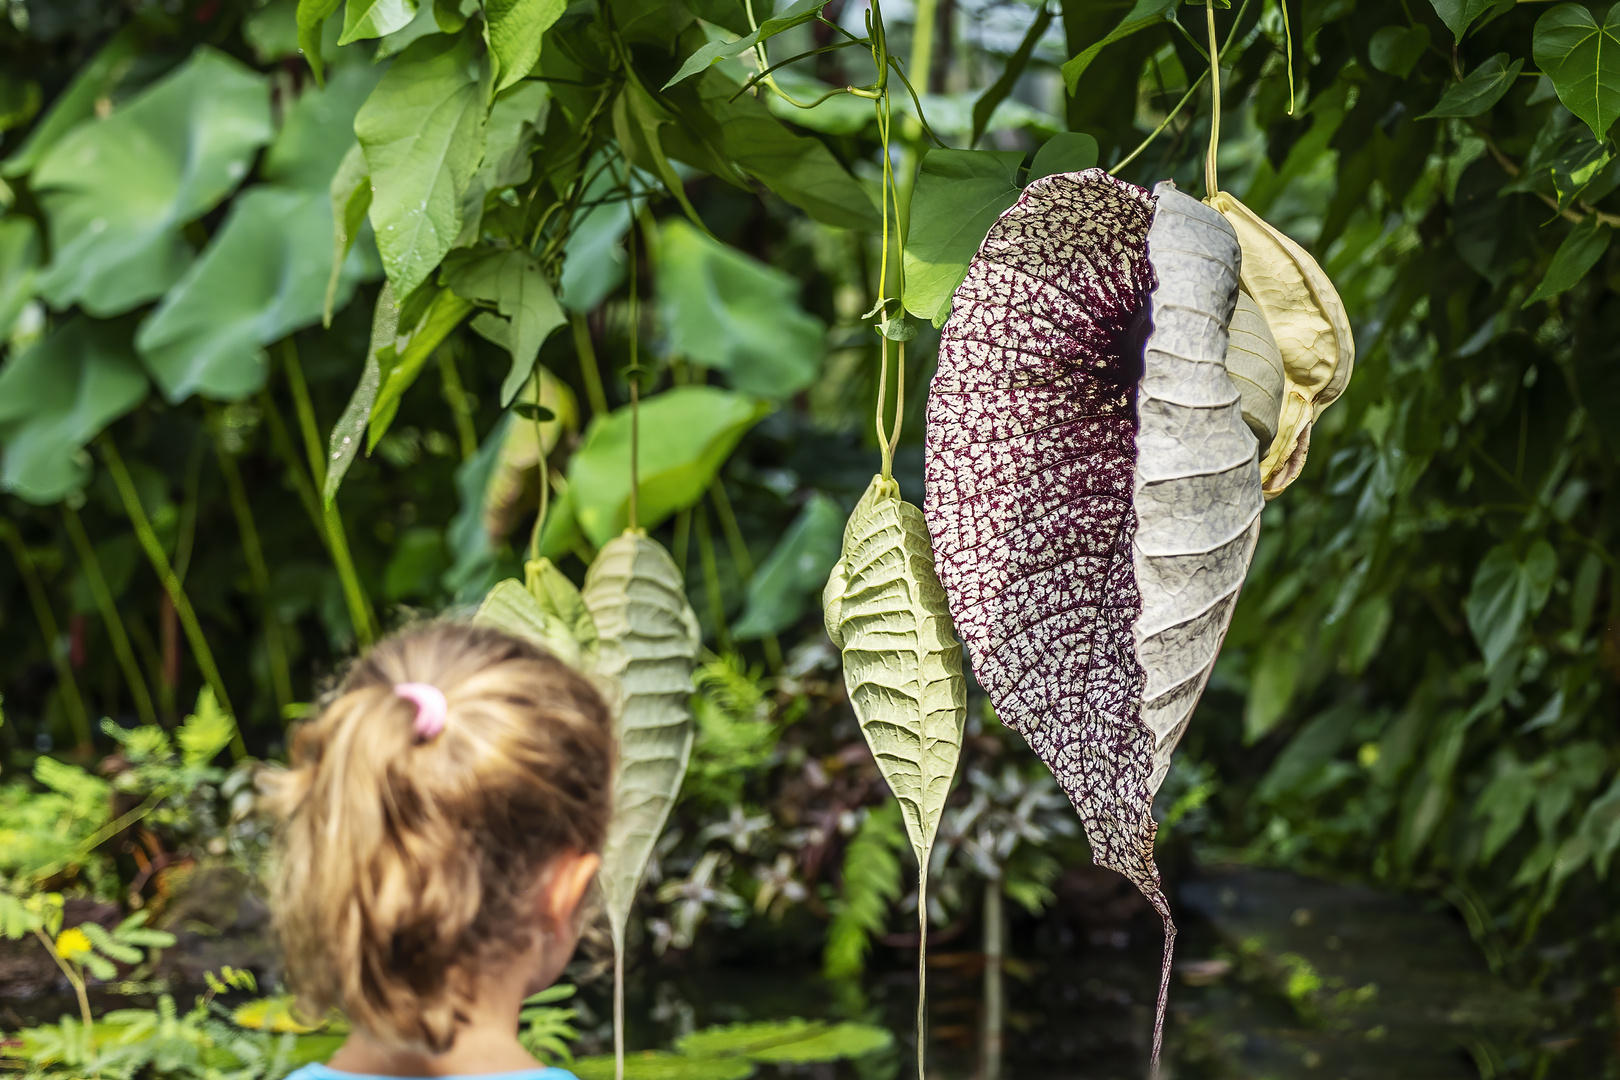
x,y
1418,690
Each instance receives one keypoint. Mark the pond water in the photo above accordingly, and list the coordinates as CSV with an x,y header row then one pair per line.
x,y
1277,976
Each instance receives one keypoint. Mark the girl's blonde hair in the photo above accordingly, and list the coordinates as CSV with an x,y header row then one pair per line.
x,y
405,864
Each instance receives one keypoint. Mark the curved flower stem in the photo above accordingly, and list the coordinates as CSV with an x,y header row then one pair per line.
x,y
71,701
110,616
1211,181
76,981
635,382
1288,53
1171,115
171,583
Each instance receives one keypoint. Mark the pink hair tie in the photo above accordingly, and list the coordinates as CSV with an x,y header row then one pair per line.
x,y
431,708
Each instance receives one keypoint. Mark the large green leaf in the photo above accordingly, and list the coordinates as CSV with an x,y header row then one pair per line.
x,y
1144,14
796,568
57,396
19,263
117,191
319,130
1507,592
263,276
1483,88
659,1065
648,644
422,131
513,281
1067,151
375,18
514,30
797,167
686,435
802,11
1583,61
725,310
786,1041
959,195
885,609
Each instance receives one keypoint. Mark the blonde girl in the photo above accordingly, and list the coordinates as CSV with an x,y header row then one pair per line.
x,y
441,820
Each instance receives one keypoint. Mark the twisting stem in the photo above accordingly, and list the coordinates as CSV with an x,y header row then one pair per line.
x,y
110,616
52,634
171,583
1210,180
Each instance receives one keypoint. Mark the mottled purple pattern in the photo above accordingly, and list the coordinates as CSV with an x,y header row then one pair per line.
x,y
1030,454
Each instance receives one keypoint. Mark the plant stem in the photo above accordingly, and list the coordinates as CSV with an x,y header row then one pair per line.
x,y
544,475
995,930
51,632
618,1007
456,396
1210,179
275,644
171,583
354,593
295,469
588,370
1171,115
76,981
743,560
635,385
116,633
711,582
1288,49
922,966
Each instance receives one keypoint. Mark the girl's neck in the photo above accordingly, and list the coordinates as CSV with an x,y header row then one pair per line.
x,y
487,1043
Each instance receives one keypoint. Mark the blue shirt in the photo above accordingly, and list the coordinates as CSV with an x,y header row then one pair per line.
x,y
322,1072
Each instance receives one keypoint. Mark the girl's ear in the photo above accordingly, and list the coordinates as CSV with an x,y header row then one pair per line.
x,y
562,886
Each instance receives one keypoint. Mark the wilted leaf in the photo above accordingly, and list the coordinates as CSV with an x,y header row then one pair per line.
x,y
1482,89
795,570
116,192
1256,366
959,195
686,435
648,644
1094,506
1310,326
422,131
728,311
902,662
58,395
262,277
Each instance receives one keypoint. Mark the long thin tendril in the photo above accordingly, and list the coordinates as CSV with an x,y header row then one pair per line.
x,y
1288,55
1210,180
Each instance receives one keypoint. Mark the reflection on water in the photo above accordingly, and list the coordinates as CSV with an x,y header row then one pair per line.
x,y
1278,976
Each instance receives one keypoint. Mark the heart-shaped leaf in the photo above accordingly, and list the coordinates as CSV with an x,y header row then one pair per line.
x,y
1583,61
1093,492
959,194
422,131
55,397
116,192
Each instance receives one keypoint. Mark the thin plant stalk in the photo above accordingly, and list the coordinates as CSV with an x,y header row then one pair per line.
x,y
995,1002
618,1009
543,474
76,981
110,617
635,385
171,583
1288,52
711,581
275,644
741,557
922,965
455,395
296,475
354,593
1210,179
77,717
589,372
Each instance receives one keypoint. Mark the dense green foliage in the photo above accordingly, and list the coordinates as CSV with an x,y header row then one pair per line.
x,y
528,206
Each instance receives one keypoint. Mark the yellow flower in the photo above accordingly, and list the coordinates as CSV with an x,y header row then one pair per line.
x,y
72,943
